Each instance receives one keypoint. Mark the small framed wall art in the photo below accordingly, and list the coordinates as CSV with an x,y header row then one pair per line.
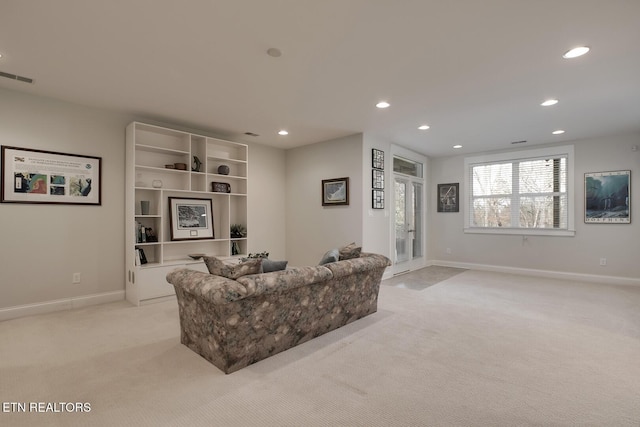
x,y
377,159
607,197
335,192
377,201
448,197
377,179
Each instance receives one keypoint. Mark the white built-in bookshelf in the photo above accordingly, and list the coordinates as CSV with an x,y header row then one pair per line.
x,y
152,176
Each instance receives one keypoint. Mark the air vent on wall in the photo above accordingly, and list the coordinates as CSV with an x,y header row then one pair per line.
x,y
15,77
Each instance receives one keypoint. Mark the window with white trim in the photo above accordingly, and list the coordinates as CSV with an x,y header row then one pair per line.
x,y
524,192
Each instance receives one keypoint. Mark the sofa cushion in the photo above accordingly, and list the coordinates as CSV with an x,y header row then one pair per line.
x,y
283,280
232,271
354,266
268,266
205,286
330,256
350,251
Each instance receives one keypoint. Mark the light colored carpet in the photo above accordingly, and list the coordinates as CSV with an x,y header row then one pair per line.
x,y
423,278
477,349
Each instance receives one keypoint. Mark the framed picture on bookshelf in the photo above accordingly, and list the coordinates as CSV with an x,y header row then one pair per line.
x,y
191,218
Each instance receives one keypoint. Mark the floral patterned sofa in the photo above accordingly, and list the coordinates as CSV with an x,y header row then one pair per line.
x,y
234,323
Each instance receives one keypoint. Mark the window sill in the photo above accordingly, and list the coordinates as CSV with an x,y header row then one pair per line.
x,y
522,231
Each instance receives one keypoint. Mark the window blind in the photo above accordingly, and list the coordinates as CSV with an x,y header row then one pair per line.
x,y
521,193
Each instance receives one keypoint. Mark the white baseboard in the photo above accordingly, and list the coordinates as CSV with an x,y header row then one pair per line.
x,y
591,278
59,305
388,273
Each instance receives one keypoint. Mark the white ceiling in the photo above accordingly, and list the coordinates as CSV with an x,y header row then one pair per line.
x,y
476,71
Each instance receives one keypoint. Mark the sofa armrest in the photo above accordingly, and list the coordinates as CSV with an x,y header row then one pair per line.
x,y
283,280
205,286
366,262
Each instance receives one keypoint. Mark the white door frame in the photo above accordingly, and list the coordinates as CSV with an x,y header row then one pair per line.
x,y
419,262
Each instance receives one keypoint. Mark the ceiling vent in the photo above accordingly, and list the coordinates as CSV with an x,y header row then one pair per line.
x,y
15,77
251,134
519,142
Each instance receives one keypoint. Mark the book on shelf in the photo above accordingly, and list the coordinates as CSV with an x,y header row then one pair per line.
x,y
140,257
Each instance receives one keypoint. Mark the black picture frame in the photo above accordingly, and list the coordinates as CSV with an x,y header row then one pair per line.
x,y
191,218
377,179
335,192
39,176
377,199
377,159
448,197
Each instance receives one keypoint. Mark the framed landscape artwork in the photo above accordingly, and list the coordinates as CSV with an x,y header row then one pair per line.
x,y
607,197
335,192
191,218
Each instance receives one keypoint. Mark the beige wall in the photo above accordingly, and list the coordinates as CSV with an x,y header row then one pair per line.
x,y
267,196
41,246
376,226
313,229
580,254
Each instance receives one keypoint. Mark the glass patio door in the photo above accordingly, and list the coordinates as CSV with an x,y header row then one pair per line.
x,y
409,233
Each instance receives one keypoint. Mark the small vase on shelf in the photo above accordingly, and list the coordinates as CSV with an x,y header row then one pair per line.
x,y
235,248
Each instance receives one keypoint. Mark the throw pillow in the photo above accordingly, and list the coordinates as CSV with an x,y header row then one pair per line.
x,y
330,256
232,271
269,266
350,251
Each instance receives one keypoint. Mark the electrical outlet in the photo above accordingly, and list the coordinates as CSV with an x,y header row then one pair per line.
x,y
603,261
76,278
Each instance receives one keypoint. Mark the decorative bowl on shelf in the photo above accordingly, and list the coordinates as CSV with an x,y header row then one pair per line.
x,y
221,187
181,166
196,256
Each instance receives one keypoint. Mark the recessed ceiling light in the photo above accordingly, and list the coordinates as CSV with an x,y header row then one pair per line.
x,y
383,104
575,52
549,102
423,127
457,146
558,132
283,132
